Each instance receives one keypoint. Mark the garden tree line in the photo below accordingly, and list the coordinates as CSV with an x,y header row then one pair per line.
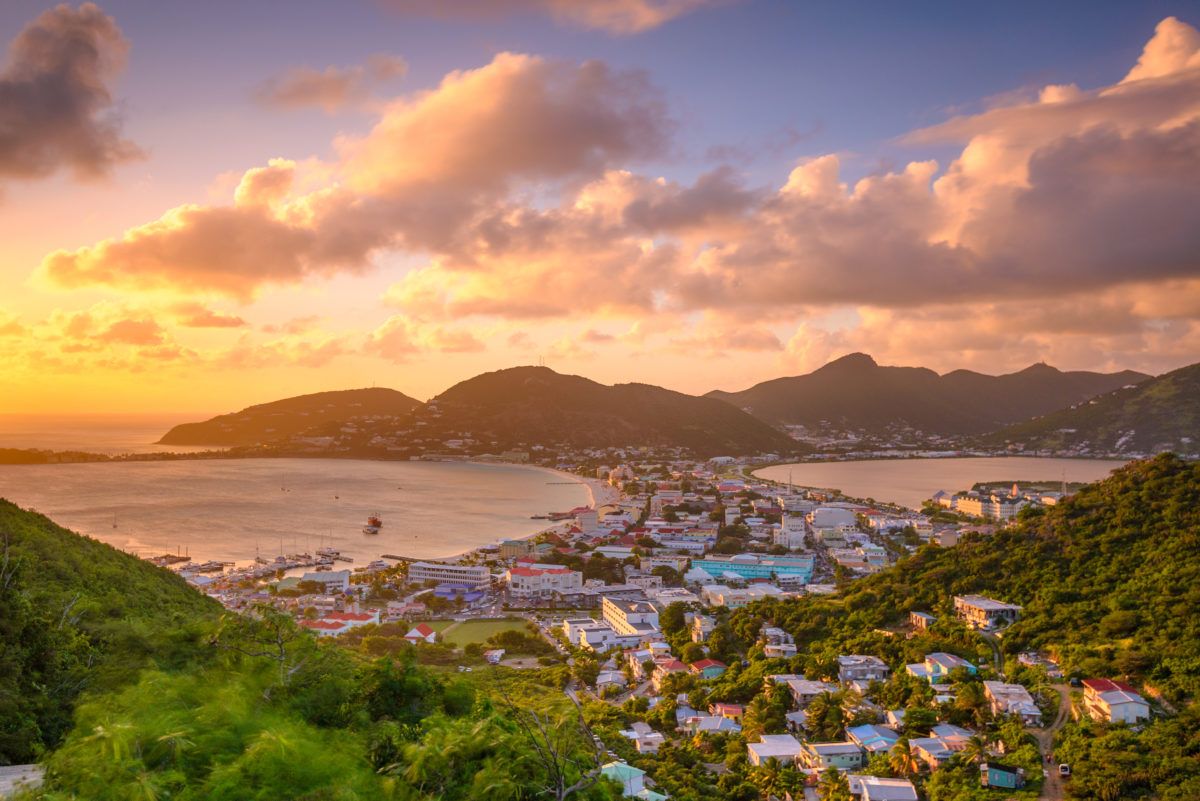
x,y
267,711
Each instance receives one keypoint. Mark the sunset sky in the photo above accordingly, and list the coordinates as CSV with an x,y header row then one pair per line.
x,y
209,205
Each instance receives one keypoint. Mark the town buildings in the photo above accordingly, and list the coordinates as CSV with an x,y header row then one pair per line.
x,y
985,613
1114,701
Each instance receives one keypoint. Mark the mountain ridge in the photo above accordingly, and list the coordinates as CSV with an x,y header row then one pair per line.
x,y
1159,414
539,405
290,416
855,391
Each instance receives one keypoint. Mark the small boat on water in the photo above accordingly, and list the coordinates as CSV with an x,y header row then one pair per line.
x,y
374,523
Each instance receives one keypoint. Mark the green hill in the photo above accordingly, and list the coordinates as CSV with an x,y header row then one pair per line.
x,y
1160,414
855,392
76,615
1109,580
535,405
281,419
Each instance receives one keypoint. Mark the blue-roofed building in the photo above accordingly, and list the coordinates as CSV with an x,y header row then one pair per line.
x,y
872,738
937,666
451,591
753,566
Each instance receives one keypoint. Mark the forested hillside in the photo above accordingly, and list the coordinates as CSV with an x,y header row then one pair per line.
x,y
77,615
1109,581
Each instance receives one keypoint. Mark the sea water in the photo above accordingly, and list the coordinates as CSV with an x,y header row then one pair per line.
x,y
235,509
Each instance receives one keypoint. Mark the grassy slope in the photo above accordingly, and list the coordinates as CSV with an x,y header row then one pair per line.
x,y
78,615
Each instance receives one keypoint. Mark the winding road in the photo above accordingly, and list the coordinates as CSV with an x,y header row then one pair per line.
x,y
1052,788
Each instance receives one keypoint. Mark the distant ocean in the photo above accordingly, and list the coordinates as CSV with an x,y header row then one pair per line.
x,y
233,509
100,433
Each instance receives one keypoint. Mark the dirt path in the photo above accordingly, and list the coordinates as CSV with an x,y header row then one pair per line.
x,y
1052,788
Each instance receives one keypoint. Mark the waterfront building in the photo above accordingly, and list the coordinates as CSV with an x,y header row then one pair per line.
x,y
476,576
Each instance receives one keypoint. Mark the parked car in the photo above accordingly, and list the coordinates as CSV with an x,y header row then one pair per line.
x,y
1064,770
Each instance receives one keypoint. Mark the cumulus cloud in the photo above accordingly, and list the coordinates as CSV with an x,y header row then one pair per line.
x,y
333,88
433,163
613,16
514,182
400,338
56,104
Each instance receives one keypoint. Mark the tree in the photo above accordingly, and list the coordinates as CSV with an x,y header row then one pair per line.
x,y
674,618
833,786
975,750
901,759
692,652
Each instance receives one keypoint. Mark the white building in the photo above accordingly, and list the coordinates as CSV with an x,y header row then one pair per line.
x,y
475,576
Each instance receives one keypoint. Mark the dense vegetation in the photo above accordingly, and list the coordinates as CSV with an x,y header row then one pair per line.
x,y
283,418
78,615
855,392
1109,582
1162,413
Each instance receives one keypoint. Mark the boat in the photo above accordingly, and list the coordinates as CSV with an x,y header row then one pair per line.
x,y
374,521
370,529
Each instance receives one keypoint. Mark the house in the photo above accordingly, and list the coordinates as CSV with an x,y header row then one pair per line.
x,y
796,720
704,724
784,747
542,581
873,739
324,628
708,668
354,619
920,621
421,633
843,756
933,751
873,788
1013,699
1038,660
666,669
645,739
494,656
784,650
804,691
729,711
938,666
953,736
1113,701
771,635
610,678
631,779
980,612
333,580
857,667
994,774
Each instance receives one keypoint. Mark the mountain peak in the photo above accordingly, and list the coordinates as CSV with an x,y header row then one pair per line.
x,y
1040,367
852,361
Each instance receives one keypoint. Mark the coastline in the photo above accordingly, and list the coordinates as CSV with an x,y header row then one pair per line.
x,y
600,493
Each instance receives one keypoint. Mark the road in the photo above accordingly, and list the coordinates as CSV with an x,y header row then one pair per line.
x,y
997,655
1052,788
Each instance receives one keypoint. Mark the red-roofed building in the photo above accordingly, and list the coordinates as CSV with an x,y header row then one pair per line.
x,y
708,668
728,711
325,628
421,633
353,619
1112,701
542,580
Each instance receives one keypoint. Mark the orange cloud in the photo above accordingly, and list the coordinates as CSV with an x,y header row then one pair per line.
x,y
55,100
332,89
613,16
197,315
399,338
428,167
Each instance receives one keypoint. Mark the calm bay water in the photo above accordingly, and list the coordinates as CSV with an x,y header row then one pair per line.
x,y
910,481
231,509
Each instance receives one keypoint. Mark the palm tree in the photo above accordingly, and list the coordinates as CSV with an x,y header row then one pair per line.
x,y
901,759
975,750
833,786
